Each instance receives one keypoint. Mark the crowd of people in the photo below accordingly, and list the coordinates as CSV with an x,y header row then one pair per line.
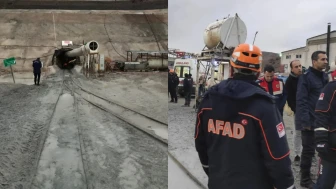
x,y
173,82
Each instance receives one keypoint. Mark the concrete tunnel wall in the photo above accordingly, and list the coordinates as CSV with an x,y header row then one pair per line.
x,y
29,34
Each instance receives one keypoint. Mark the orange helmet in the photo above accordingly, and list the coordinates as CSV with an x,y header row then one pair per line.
x,y
247,56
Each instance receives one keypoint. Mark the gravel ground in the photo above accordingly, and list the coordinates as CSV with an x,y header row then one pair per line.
x,y
25,114
182,121
144,92
110,147
118,155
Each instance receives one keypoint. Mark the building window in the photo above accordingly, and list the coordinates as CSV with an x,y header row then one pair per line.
x,y
298,56
288,56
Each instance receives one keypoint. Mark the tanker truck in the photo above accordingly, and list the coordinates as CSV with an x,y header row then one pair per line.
x,y
220,38
66,57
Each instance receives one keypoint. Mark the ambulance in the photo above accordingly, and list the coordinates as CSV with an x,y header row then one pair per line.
x,y
189,66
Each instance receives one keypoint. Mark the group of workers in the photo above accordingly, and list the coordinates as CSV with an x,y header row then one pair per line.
x,y
240,134
173,82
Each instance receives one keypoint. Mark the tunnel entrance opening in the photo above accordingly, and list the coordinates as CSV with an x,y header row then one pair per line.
x,y
63,61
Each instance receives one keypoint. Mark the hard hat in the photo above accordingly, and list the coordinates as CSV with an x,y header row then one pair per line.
x,y
247,56
171,71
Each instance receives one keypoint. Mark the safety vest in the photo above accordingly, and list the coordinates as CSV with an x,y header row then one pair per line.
x,y
277,86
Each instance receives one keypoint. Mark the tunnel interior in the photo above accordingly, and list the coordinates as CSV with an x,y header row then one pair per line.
x,y
63,61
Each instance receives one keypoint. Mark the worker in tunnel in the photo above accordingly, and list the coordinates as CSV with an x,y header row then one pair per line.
x,y
37,65
240,135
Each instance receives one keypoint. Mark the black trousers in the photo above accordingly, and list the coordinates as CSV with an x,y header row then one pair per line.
x,y
37,78
173,95
187,96
326,175
308,151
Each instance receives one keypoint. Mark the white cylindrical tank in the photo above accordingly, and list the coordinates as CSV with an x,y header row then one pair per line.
x,y
219,32
90,47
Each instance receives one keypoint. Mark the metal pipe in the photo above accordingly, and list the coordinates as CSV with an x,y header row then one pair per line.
x,y
328,47
84,49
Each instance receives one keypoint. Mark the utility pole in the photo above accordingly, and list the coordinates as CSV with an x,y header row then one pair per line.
x,y
255,35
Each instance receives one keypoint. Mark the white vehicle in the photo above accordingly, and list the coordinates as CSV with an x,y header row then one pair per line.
x,y
182,66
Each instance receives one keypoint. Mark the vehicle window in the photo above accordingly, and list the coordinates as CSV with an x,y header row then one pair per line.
x,y
178,70
185,70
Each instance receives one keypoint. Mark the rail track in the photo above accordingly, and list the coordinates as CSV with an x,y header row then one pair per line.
x,y
152,127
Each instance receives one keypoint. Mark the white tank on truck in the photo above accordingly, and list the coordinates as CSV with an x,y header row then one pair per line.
x,y
230,31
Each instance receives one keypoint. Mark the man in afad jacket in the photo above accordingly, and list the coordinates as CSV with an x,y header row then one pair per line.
x,y
310,86
240,135
325,135
274,86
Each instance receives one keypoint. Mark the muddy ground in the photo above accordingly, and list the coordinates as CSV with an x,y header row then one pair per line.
x,y
97,149
182,121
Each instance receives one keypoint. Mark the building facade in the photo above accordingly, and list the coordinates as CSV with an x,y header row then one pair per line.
x,y
304,53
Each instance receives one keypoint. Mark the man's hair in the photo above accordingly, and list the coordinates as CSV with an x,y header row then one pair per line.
x,y
315,55
291,63
269,68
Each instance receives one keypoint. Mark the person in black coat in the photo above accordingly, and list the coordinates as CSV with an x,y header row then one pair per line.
x,y
309,88
291,87
173,82
240,135
325,136
187,87
37,65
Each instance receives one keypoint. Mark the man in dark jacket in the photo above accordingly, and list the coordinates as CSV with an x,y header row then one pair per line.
x,y
325,136
291,88
187,87
240,135
37,65
173,81
310,86
274,86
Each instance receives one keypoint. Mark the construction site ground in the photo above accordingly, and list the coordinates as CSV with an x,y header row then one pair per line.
x,y
80,145
182,121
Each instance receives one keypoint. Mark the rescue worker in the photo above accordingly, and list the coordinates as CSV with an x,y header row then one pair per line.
x,y
274,86
37,65
291,88
187,87
325,135
173,81
240,135
309,88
